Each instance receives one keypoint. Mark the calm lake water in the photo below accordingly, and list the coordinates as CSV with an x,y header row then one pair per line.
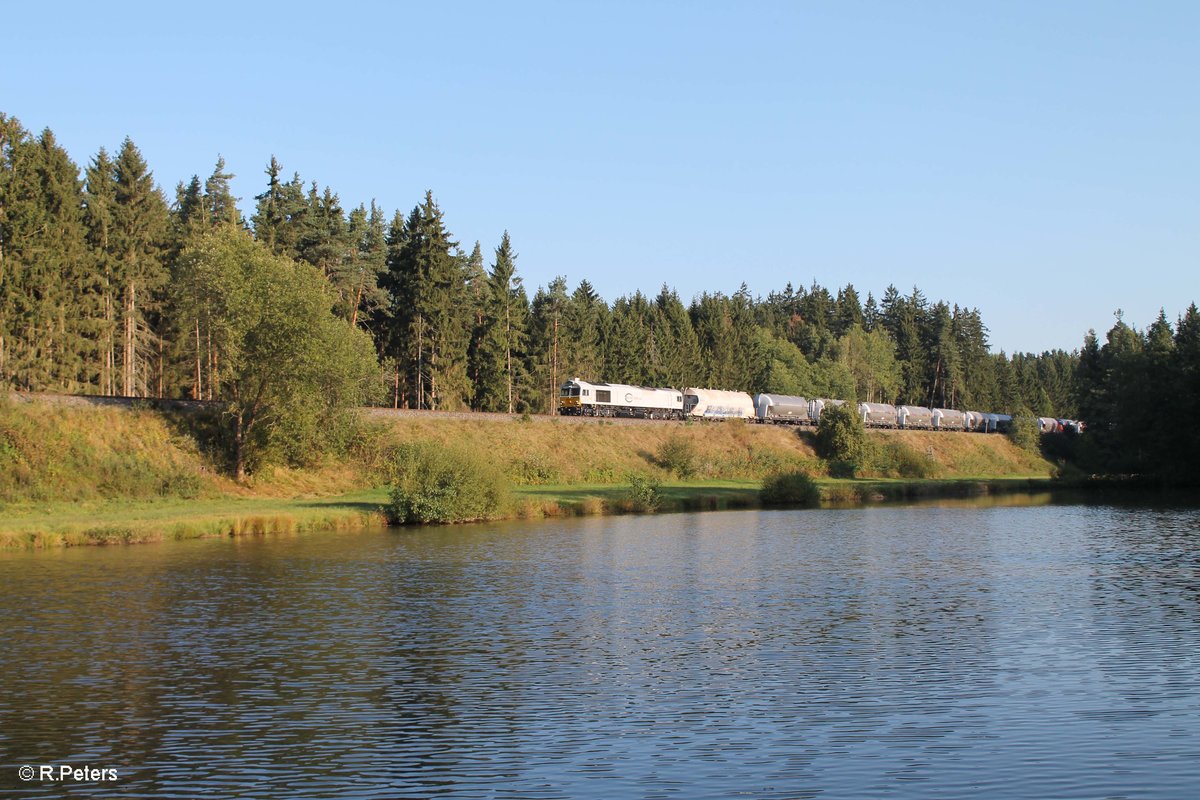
x,y
1023,652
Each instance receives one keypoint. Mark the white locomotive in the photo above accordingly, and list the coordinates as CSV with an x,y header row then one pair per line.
x,y
581,398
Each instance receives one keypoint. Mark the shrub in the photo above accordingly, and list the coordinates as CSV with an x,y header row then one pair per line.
x,y
790,489
435,483
842,440
643,494
678,455
1024,430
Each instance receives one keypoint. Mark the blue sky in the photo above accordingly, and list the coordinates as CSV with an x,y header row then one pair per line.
x,y
1039,161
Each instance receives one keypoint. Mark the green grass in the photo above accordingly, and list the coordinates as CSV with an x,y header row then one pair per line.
x,y
51,524
127,522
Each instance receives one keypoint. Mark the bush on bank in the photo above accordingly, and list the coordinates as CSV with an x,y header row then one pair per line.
x,y
444,483
790,489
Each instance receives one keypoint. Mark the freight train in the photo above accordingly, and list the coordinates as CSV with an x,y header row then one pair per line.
x,y
583,398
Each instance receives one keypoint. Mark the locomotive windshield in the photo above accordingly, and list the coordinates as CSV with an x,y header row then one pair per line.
x,y
569,391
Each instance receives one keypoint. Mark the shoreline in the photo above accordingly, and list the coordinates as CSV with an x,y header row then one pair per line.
x,y
45,526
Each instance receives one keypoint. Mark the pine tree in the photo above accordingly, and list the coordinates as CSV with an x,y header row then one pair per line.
x,y
137,242
358,273
428,319
585,321
280,214
503,344
679,349
220,206
100,201
546,351
848,311
46,297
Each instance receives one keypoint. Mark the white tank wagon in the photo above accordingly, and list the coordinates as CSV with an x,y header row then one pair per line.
x,y
1048,425
996,423
949,419
974,420
914,417
817,405
717,404
877,415
582,398
781,408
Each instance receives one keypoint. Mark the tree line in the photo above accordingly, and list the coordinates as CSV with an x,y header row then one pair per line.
x,y
97,297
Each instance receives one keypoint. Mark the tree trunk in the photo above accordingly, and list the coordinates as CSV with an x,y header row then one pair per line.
x,y
554,371
508,354
357,301
129,363
198,386
420,363
239,448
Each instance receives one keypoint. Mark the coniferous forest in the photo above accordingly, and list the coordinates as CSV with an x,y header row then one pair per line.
x,y
109,286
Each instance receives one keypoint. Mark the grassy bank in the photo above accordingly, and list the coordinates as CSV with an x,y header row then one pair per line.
x,y
87,475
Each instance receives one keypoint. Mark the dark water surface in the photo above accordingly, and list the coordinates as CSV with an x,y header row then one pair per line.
x,y
917,652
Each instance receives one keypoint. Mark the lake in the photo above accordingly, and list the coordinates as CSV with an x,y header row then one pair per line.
x,y
1047,650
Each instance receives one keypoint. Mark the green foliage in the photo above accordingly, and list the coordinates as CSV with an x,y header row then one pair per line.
x,y
790,489
290,370
842,440
643,493
438,483
1024,430
677,454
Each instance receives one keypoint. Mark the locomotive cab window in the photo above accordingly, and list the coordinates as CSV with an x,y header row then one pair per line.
x,y
569,391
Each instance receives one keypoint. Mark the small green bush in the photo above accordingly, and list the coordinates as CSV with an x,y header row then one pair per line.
x,y
643,494
436,483
1024,430
790,489
678,455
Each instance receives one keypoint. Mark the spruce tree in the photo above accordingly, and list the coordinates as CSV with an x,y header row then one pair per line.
x,y
546,351
136,243
502,372
100,201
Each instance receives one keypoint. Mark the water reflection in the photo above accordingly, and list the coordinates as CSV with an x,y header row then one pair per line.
x,y
913,652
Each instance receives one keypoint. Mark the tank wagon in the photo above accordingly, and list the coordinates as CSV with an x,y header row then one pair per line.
x,y
717,404
914,417
581,398
818,404
877,415
781,408
996,423
1049,425
948,419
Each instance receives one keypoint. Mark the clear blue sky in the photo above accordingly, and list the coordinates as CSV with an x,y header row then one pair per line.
x,y
1040,161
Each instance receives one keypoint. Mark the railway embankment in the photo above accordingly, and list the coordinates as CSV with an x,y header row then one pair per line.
x,y
81,472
